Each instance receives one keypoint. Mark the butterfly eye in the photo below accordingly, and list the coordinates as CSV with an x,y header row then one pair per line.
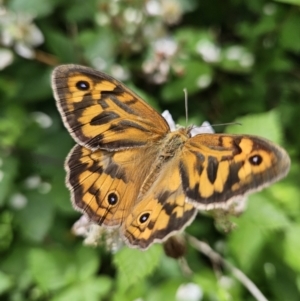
x,y
255,160
82,85
112,199
144,217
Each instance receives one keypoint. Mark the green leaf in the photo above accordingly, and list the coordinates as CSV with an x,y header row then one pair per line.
x,y
237,59
61,46
193,38
82,12
289,35
264,124
88,262
287,196
292,247
37,215
198,76
164,291
133,265
36,87
32,7
55,269
12,125
6,230
217,289
206,280
246,246
5,282
89,290
98,46
296,2
258,221
263,213
46,271
8,172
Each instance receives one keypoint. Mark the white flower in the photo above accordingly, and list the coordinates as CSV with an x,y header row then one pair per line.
x,y
208,50
97,235
6,58
189,292
205,128
18,30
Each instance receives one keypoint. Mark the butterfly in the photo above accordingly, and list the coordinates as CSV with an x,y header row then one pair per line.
x,y
129,171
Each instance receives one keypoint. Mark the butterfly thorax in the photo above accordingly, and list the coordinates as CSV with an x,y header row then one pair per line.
x,y
168,148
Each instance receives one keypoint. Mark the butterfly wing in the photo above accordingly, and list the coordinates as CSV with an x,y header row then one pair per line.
x,y
100,112
216,169
120,137
103,184
161,212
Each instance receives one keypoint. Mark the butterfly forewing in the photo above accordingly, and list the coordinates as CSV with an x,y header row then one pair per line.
x,y
100,112
216,169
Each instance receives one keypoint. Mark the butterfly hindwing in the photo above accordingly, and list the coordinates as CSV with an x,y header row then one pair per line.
x,y
161,212
101,187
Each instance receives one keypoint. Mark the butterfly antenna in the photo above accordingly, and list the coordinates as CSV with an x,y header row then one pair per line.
x,y
227,123
187,114
186,106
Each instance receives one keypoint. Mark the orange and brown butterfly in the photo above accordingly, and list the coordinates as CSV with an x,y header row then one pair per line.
x,y
129,171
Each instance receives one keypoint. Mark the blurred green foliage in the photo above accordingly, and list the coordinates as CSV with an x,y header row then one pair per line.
x,y
239,61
